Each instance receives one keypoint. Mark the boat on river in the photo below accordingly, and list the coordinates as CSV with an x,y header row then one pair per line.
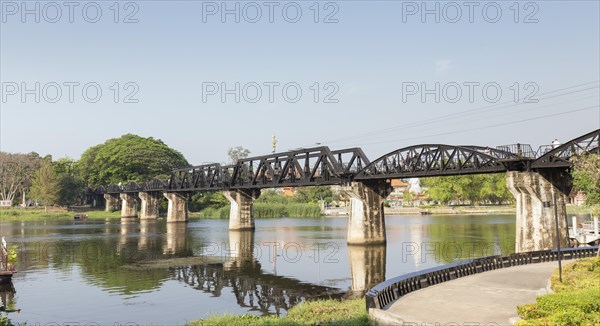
x,y
7,270
6,276
585,233
80,217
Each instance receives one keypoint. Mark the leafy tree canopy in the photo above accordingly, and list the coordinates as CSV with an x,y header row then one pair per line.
x,y
237,153
128,158
45,187
473,188
586,177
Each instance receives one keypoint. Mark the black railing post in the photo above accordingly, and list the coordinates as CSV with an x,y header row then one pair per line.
x,y
557,239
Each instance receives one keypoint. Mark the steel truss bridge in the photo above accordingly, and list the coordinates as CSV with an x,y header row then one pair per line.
x,y
321,166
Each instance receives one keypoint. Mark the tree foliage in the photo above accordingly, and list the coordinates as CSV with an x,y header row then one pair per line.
x,y
202,200
45,187
472,188
313,194
128,158
586,177
236,153
16,173
71,185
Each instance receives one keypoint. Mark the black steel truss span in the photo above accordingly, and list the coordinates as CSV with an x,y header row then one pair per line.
x,y
303,167
439,160
321,166
559,156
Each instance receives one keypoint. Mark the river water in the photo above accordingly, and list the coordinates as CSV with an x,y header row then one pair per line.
x,y
114,271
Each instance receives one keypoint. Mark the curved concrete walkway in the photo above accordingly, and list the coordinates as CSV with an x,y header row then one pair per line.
x,y
489,297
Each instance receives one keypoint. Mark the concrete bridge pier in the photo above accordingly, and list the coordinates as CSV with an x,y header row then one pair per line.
x,y
535,194
147,240
241,250
241,214
367,220
176,239
149,209
128,205
177,209
112,202
367,268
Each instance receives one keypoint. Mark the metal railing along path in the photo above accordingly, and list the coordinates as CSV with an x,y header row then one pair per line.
x,y
393,289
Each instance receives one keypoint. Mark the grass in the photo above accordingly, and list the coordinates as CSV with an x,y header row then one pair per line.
x,y
578,210
33,214
266,210
319,312
576,300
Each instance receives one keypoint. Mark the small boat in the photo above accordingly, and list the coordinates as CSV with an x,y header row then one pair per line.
x,y
585,233
80,217
425,212
6,276
7,270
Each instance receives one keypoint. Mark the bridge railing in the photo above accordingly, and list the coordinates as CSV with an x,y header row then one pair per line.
x,y
393,289
520,150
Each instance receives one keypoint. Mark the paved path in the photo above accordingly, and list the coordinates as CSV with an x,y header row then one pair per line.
x,y
489,297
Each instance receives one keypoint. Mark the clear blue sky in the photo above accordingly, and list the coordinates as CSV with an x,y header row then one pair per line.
x,y
370,53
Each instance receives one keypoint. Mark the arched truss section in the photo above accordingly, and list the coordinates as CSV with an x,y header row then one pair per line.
x,y
437,160
198,178
132,186
155,185
113,189
99,190
559,156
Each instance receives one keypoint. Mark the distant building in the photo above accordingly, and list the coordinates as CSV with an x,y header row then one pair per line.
x,y
288,191
576,197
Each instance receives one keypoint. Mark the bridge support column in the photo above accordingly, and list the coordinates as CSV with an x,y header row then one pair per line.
x,y
241,251
176,239
536,223
112,202
367,220
367,268
128,205
149,209
177,209
241,214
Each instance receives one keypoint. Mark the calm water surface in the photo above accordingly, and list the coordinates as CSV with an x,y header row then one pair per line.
x,y
116,271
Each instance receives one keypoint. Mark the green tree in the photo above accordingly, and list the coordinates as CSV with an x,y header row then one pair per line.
x,y
128,158
45,187
237,153
202,200
71,184
472,188
586,177
16,173
313,194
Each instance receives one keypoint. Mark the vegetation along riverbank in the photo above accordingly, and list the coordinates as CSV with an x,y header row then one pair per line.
x,y
575,301
320,312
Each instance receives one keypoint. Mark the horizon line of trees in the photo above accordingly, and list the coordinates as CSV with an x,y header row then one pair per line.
x,y
134,158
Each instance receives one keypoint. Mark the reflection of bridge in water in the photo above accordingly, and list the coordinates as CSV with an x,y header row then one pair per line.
x,y
240,269
136,257
268,293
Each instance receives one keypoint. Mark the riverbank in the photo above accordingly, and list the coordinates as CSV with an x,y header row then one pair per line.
x,y
272,210
576,300
319,312
266,210
31,214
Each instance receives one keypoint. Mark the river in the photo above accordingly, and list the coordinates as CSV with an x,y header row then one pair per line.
x,y
112,271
